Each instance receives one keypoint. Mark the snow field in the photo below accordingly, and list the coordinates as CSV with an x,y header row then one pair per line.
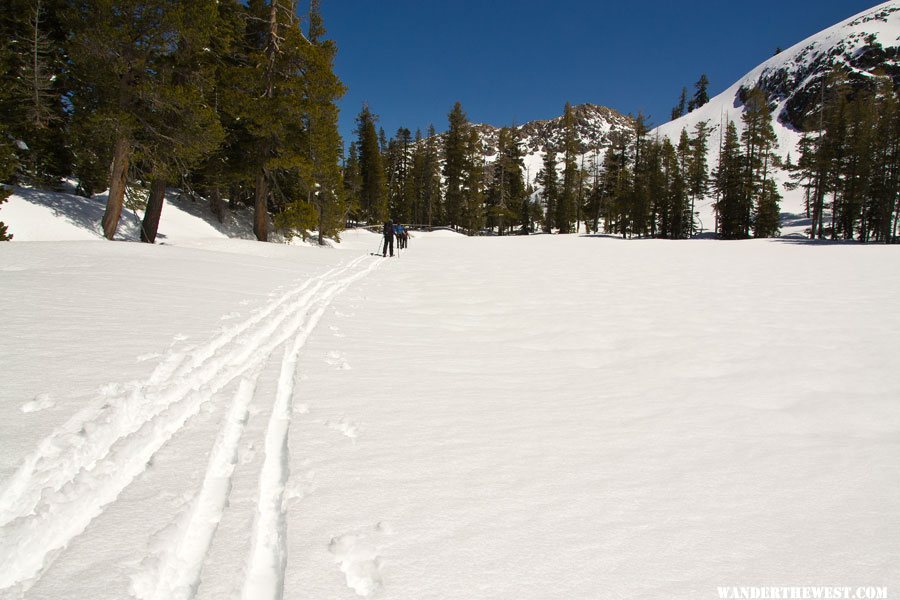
x,y
540,417
79,469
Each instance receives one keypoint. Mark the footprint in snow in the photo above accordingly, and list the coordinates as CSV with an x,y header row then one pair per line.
x,y
40,402
346,428
230,316
336,359
356,553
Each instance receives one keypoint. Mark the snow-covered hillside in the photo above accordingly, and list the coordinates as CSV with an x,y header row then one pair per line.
x,y
861,45
480,418
42,215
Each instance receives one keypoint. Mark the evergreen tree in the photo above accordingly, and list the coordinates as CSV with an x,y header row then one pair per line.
x,y
732,212
507,195
181,128
433,205
549,181
7,156
455,142
324,89
353,183
701,96
567,205
34,76
681,108
638,203
472,208
373,191
698,170
681,209
759,142
399,160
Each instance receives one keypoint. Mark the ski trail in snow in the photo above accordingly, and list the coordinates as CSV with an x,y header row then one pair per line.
x,y
90,434
268,553
174,573
72,475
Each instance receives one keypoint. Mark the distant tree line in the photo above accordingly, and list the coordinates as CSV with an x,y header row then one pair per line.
x,y
637,186
223,99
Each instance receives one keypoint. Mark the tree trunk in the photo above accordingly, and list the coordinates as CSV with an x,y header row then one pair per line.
x,y
260,215
216,205
150,224
118,177
321,204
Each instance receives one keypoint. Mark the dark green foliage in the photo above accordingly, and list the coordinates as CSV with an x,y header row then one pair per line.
x,y
373,188
471,214
566,206
701,95
849,163
732,206
681,108
507,195
33,75
456,141
549,181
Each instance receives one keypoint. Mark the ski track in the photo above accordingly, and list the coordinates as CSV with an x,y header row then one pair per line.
x,y
84,465
268,553
174,572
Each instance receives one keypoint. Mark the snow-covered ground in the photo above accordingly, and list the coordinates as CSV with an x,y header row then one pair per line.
x,y
540,417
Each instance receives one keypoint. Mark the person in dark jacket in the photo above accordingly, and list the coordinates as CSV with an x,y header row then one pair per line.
x,y
388,232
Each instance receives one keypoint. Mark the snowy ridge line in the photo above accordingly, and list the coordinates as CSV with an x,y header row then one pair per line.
x,y
88,436
174,573
268,553
59,515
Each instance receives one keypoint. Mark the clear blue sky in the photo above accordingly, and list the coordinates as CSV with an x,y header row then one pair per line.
x,y
517,60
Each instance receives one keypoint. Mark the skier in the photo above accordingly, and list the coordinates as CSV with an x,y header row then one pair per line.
x,y
388,231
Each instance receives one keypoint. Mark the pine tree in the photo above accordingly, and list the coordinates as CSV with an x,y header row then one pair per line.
x,y
33,73
549,181
567,204
455,142
181,128
701,96
7,156
681,210
638,203
433,205
681,108
373,193
398,159
759,142
729,180
698,170
472,207
324,89
353,183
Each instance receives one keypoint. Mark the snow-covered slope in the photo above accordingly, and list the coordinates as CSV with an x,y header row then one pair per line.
x,y
41,215
861,45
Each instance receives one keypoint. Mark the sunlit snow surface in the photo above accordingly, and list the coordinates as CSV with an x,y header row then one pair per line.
x,y
542,417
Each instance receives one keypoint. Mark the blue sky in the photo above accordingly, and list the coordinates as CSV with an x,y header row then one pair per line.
x,y
516,60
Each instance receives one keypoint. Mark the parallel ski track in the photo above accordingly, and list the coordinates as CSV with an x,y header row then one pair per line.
x,y
268,553
76,471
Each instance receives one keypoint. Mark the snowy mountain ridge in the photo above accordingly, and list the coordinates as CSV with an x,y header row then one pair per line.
x,y
864,46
